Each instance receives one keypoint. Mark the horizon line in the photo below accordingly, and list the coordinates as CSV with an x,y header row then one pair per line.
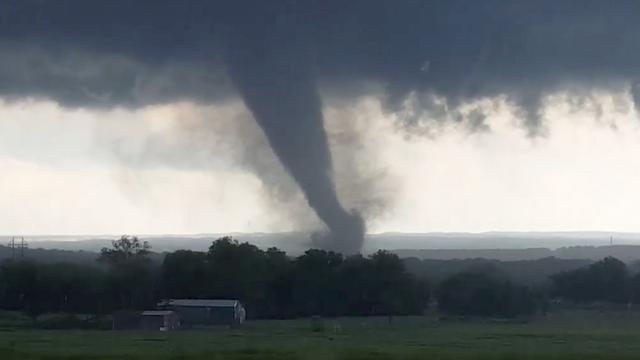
x,y
199,234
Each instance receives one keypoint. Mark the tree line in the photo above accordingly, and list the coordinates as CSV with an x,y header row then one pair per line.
x,y
609,280
488,292
271,284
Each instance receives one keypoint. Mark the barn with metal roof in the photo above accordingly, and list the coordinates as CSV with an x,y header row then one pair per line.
x,y
202,312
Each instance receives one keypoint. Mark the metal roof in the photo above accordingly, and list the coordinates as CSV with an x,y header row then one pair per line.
x,y
157,313
200,302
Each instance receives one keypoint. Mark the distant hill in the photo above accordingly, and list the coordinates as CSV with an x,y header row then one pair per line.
x,y
500,240
293,243
627,253
494,254
508,246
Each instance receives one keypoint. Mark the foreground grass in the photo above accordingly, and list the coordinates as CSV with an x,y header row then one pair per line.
x,y
567,336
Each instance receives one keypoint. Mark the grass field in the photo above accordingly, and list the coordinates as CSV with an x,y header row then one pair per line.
x,y
575,335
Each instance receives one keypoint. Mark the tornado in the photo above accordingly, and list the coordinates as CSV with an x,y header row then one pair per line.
x,y
270,65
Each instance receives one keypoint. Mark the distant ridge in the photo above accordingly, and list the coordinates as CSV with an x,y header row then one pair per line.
x,y
86,250
439,245
627,253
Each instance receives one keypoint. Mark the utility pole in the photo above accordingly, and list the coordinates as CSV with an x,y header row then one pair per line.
x,y
23,245
12,244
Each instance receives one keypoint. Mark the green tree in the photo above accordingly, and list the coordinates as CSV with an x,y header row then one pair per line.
x,y
131,279
72,288
477,293
23,288
356,285
124,249
315,290
279,277
236,270
184,274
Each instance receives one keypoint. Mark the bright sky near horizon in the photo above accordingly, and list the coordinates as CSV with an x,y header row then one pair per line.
x,y
157,170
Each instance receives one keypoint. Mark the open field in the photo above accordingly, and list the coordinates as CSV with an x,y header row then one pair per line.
x,y
570,336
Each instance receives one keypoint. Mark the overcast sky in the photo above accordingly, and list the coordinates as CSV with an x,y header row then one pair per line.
x,y
74,171
440,116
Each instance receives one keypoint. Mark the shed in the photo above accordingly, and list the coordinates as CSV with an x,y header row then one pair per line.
x,y
164,320
206,311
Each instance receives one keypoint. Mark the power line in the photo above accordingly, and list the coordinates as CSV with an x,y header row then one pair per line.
x,y
22,245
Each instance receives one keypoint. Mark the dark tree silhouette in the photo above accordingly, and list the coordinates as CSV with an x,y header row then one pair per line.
x,y
484,293
125,248
130,279
607,280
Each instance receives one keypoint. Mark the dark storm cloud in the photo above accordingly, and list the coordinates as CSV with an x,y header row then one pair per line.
x,y
470,48
83,79
276,55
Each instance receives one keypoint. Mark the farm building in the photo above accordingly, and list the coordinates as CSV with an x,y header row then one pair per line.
x,y
164,320
206,312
